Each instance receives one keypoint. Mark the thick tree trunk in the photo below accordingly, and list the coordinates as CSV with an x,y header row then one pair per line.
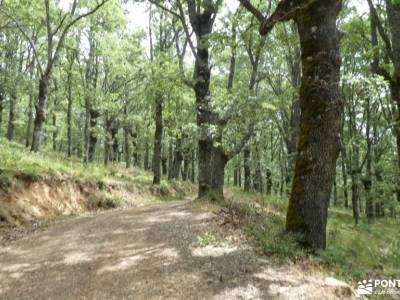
x,y
219,160
321,106
40,117
157,152
247,173
11,118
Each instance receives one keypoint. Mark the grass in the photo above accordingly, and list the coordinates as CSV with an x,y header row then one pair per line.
x,y
369,250
15,158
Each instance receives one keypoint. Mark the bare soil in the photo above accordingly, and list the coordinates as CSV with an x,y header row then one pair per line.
x,y
171,251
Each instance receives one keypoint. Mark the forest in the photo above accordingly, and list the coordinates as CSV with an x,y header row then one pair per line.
x,y
282,116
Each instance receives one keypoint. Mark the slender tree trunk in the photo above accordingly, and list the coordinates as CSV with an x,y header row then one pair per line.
x,y
1,108
55,132
40,108
395,91
345,185
164,167
170,160
94,115
11,118
178,158
335,194
269,181
146,158
367,180
321,106
127,150
114,141
247,173
69,113
193,168
157,152
186,164
235,176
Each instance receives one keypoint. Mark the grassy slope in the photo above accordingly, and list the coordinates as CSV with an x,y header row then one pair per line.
x,y
16,159
369,250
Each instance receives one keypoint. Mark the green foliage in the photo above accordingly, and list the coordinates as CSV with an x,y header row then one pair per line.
x,y
371,248
207,238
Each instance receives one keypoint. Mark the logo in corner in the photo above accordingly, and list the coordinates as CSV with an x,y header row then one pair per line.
x,y
365,287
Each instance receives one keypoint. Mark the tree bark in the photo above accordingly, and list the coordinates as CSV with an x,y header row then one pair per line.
x,y
11,118
193,167
146,158
321,107
94,115
269,181
247,172
69,112
157,151
177,161
1,108
40,109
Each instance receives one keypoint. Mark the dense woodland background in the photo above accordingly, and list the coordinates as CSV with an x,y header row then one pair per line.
x,y
77,79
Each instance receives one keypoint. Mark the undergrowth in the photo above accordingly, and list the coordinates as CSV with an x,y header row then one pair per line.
x,y
369,250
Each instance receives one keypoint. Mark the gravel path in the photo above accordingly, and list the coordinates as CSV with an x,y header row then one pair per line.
x,y
172,251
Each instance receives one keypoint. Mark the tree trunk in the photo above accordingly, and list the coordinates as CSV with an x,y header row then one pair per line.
x,y
94,115
186,164
395,92
11,118
177,162
235,176
164,167
146,158
367,181
1,108
335,194
219,160
193,168
69,114
127,150
269,181
54,123
247,173
321,106
157,152
355,198
40,117
114,141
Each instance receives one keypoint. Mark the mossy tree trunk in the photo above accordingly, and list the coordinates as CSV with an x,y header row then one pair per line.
x,y
321,106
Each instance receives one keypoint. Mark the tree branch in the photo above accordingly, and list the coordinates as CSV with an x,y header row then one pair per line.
x,y
26,36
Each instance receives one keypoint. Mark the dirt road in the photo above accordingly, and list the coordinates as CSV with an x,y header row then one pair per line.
x,y
173,251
